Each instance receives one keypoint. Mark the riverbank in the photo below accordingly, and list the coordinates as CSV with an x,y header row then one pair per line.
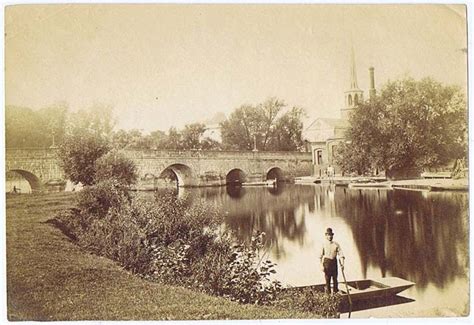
x,y
50,278
428,184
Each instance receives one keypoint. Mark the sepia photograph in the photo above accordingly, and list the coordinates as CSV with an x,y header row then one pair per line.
x,y
236,161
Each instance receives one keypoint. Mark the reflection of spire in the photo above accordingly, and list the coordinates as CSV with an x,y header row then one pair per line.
x,y
353,71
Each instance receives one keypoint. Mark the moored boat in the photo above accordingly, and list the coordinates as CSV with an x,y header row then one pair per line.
x,y
269,182
370,186
366,289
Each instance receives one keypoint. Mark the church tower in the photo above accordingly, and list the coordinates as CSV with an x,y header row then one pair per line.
x,y
354,95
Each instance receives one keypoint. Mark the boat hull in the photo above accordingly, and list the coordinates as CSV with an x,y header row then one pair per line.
x,y
366,289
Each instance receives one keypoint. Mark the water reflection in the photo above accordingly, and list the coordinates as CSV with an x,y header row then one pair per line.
x,y
419,236
413,235
235,192
262,208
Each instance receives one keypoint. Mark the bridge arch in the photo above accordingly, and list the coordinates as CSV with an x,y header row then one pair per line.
x,y
235,176
32,179
183,174
276,173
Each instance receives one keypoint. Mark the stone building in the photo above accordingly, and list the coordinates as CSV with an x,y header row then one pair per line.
x,y
323,135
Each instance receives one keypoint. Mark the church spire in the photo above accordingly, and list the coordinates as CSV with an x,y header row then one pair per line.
x,y
354,95
353,71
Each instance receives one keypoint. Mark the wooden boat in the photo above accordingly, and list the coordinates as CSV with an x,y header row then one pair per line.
x,y
370,186
269,182
366,289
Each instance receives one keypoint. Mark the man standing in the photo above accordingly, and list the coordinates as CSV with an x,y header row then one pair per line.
x,y
328,258
330,173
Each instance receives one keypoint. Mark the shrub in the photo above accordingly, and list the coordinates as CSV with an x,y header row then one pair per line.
x,y
95,201
237,271
78,154
170,241
119,237
309,300
248,276
115,166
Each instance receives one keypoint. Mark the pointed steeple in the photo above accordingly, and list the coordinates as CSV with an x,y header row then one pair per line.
x,y
353,71
354,95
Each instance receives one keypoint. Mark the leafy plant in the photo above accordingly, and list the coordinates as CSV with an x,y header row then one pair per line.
x,y
115,166
248,277
309,300
78,154
411,124
96,200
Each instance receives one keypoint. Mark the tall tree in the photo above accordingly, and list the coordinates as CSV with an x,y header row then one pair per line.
x,y
191,136
174,140
88,135
240,129
263,126
97,119
22,127
288,131
25,127
54,119
411,124
78,154
158,139
268,112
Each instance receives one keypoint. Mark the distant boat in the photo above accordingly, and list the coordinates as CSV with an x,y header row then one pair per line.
x,y
269,182
371,185
366,289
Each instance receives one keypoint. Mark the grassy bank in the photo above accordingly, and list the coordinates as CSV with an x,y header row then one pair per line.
x,y
50,278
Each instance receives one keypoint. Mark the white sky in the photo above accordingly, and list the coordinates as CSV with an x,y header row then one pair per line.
x,y
169,65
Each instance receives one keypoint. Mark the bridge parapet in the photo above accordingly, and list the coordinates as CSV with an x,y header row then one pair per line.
x,y
33,153
216,154
196,167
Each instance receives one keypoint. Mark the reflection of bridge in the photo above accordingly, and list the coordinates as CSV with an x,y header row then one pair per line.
x,y
190,168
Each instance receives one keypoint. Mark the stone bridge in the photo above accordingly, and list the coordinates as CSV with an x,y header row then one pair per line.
x,y
41,167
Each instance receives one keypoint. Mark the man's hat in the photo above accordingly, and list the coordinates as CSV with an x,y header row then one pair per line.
x,y
329,232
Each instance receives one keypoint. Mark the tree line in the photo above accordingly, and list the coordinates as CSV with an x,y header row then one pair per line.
x,y
409,125
266,126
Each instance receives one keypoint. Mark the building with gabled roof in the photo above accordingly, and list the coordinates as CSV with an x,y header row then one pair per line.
x,y
323,135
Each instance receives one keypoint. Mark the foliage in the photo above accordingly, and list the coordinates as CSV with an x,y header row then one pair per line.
x,y
171,242
307,299
95,201
97,120
191,135
248,275
131,139
78,154
411,124
157,139
115,166
262,125
174,140
51,268
87,139
27,128
289,129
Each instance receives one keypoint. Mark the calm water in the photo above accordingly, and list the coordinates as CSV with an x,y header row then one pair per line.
x,y
418,236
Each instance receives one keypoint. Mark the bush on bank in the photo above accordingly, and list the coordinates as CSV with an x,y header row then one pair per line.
x,y
326,305
170,241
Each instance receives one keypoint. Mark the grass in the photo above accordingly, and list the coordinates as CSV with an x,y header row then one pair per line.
x,y
50,278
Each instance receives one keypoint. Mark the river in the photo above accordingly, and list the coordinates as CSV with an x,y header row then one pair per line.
x,y
419,236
